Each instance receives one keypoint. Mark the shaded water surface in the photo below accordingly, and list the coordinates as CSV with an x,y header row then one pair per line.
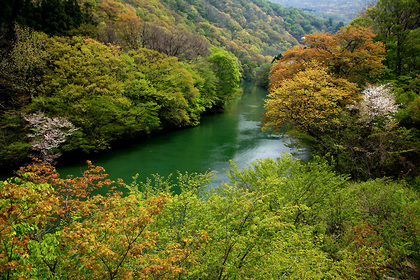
x,y
235,134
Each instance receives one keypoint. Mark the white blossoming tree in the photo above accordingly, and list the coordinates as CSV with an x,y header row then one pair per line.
x,y
378,102
373,144
47,135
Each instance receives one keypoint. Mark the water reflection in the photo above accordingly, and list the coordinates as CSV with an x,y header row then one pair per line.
x,y
235,134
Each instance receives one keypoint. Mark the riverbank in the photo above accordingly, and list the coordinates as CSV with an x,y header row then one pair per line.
x,y
232,135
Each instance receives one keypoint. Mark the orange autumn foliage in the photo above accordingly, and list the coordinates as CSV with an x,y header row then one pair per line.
x,y
351,54
88,236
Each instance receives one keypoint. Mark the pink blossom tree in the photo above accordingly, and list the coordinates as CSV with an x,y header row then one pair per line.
x,y
47,135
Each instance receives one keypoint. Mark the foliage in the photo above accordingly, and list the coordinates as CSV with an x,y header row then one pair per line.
x,y
250,31
71,233
396,24
175,91
351,54
54,17
63,77
21,67
371,152
25,208
262,75
247,230
20,71
205,81
309,101
364,139
339,10
48,134
277,218
138,92
106,93
358,224
315,97
378,102
84,82
375,236
224,67
408,95
174,41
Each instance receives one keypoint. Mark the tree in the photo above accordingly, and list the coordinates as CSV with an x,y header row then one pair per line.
x,y
128,28
351,53
21,69
227,73
277,218
250,224
93,87
48,134
378,102
176,95
408,95
262,76
205,81
114,242
56,227
309,101
396,24
54,17
25,211
21,72
107,94
316,106
176,42
368,141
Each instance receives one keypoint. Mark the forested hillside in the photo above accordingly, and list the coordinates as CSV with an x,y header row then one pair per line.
x,y
339,10
116,70
253,30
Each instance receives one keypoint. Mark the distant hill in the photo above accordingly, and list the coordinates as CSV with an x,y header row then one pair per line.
x,y
339,10
253,30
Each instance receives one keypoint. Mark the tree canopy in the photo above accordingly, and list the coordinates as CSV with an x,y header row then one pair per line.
x,y
309,101
277,218
351,53
396,23
311,84
107,93
334,93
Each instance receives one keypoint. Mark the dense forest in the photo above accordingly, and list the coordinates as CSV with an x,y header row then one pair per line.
x,y
81,76
339,10
167,63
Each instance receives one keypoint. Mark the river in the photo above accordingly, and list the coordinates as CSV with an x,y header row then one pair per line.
x,y
235,134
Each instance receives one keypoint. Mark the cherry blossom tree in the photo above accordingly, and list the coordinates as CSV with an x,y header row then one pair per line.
x,y
47,134
378,101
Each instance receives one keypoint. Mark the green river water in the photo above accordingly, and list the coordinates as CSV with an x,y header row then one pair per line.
x,y
233,135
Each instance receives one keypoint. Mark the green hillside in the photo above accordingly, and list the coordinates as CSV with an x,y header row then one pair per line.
x,y
339,10
112,68
253,30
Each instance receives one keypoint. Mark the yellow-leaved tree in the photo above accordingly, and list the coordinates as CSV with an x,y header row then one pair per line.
x,y
351,53
309,101
311,84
